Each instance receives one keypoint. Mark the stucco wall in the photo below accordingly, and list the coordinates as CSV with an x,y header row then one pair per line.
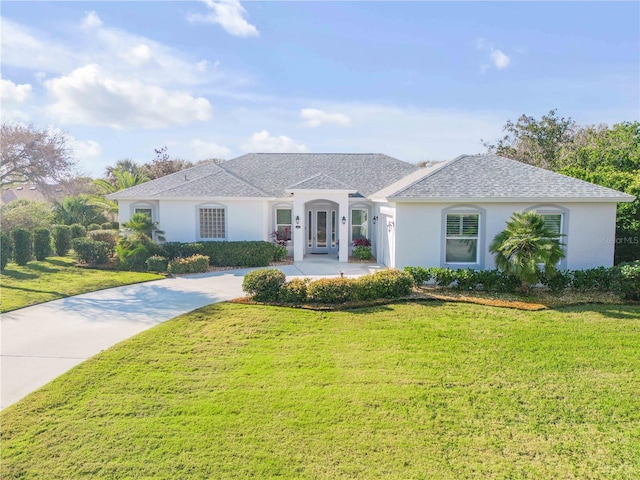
x,y
590,229
246,220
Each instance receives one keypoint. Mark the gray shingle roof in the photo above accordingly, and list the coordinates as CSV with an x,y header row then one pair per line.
x,y
275,172
494,177
208,179
320,181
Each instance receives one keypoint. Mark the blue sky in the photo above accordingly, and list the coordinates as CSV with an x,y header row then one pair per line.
x,y
415,80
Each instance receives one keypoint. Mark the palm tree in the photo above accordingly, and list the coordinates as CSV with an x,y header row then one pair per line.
x,y
120,179
140,226
78,209
525,245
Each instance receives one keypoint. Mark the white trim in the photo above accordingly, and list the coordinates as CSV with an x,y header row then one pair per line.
x,y
480,254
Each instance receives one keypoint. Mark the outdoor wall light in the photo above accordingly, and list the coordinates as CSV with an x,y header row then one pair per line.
x,y
297,219
344,220
375,219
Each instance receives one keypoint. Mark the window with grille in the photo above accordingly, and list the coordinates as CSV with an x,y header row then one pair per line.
x,y
283,224
212,223
359,224
462,238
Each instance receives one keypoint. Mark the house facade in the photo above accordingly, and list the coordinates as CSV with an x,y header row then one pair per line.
x,y
443,215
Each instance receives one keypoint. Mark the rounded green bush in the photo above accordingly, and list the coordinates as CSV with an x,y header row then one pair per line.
x,y
362,252
192,264
384,284
627,280
157,263
264,285
91,252
294,291
77,231
332,290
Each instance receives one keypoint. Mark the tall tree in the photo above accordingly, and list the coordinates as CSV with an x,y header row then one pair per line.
x,y
31,154
536,142
163,164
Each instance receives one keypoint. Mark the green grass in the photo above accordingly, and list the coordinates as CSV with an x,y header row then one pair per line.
x,y
55,278
405,391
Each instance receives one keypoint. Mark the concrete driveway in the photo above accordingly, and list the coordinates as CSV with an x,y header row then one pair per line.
x,y
41,342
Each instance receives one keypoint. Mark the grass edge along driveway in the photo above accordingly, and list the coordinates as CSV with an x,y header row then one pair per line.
x,y
433,390
57,277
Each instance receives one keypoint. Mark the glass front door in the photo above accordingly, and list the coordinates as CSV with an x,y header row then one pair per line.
x,y
322,230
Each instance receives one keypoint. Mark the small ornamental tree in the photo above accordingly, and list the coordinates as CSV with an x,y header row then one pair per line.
x,y
22,246
525,245
41,243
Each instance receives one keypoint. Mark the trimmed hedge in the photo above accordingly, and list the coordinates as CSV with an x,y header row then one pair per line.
x,y
61,239
226,254
22,246
5,250
384,284
157,263
294,291
332,290
41,243
192,264
623,279
77,231
264,285
91,252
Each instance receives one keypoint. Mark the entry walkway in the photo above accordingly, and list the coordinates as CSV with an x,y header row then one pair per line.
x,y
41,342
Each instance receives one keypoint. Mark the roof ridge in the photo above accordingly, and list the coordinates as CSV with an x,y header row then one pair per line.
x,y
431,171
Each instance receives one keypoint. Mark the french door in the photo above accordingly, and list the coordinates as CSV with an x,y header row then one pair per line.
x,y
322,230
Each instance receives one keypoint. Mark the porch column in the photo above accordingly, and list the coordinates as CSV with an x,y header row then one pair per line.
x,y
298,233
343,211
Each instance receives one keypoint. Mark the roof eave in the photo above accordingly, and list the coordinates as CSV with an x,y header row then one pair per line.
x,y
621,199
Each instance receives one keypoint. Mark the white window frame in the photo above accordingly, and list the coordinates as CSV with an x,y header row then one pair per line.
x,y
464,210
199,209
551,209
144,206
278,225
365,225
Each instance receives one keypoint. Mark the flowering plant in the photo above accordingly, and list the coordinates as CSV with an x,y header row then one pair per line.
x,y
362,242
282,237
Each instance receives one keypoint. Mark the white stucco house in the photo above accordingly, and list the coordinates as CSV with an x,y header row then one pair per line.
x,y
443,215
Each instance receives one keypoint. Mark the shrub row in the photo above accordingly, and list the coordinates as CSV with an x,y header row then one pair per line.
x,y
269,286
623,279
227,254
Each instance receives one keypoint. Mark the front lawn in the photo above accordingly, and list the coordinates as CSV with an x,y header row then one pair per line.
x,y
404,391
57,277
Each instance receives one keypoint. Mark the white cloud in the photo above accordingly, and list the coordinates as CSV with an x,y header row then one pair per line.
x,y
229,14
85,149
497,58
315,117
138,55
88,95
92,20
500,60
204,150
13,93
263,142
